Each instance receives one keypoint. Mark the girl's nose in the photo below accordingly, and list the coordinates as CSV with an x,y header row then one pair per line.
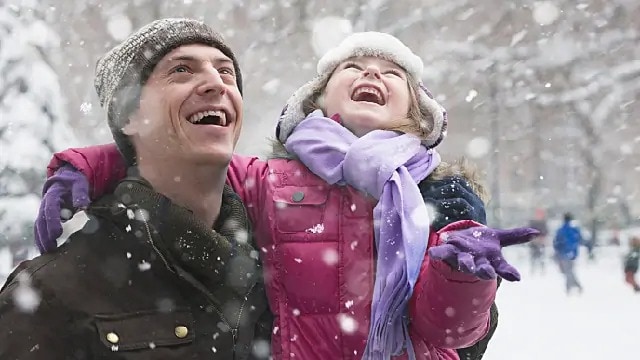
x,y
372,71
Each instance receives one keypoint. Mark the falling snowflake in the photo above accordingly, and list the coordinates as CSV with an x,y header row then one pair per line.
x,y
450,312
141,215
271,87
25,297
119,26
328,32
348,324
261,349
86,107
241,236
330,257
298,260
152,345
478,147
472,95
316,229
420,216
296,312
349,304
545,12
144,266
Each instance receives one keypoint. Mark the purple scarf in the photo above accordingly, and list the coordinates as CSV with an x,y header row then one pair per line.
x,y
387,166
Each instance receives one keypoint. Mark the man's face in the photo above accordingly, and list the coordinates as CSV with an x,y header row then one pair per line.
x,y
190,108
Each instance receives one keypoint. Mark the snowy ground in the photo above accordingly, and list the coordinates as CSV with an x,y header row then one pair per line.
x,y
539,321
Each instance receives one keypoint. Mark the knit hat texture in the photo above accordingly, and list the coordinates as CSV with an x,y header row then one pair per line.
x,y
376,44
121,73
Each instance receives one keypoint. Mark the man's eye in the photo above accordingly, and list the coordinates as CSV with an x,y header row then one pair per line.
x,y
180,69
226,71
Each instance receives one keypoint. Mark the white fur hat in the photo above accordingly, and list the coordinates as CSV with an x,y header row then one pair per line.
x,y
380,45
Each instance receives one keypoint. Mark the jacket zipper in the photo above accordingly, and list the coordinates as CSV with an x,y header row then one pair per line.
x,y
234,331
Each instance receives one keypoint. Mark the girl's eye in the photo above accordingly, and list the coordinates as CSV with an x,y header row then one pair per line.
x,y
352,66
394,72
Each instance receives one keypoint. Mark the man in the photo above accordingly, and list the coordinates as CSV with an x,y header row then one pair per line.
x,y
566,245
163,268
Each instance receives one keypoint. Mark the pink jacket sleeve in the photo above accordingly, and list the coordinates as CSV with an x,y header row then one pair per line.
x,y
101,164
450,309
246,176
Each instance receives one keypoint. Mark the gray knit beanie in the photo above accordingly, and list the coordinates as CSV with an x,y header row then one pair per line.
x,y
121,73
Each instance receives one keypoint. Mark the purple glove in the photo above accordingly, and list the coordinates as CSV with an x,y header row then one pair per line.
x,y
67,189
478,250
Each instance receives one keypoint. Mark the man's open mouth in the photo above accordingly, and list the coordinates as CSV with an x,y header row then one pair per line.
x,y
210,117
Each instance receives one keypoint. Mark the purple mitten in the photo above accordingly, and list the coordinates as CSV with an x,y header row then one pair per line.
x,y
478,250
67,189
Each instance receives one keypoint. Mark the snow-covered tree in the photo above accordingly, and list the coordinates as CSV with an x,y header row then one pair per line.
x,y
520,81
33,123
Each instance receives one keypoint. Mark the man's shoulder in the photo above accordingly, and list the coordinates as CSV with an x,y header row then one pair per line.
x,y
50,268
88,245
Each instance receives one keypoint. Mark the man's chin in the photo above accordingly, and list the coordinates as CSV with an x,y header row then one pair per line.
x,y
213,156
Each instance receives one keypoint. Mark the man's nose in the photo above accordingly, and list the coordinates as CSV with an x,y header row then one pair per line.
x,y
211,82
372,71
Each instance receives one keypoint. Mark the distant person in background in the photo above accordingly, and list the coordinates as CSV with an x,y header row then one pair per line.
x,y
538,244
565,245
631,262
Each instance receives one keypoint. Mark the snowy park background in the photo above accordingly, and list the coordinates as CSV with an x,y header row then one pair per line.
x,y
541,95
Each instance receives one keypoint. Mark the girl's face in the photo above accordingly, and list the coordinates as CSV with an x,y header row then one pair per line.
x,y
369,93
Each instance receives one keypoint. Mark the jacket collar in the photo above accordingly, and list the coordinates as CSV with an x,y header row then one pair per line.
x,y
182,240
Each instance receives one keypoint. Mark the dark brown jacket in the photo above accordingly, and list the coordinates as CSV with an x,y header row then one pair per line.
x,y
142,280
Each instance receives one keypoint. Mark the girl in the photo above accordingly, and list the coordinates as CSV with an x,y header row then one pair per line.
x,y
340,221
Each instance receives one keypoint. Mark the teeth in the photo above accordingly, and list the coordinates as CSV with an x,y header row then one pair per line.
x,y
370,90
197,117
